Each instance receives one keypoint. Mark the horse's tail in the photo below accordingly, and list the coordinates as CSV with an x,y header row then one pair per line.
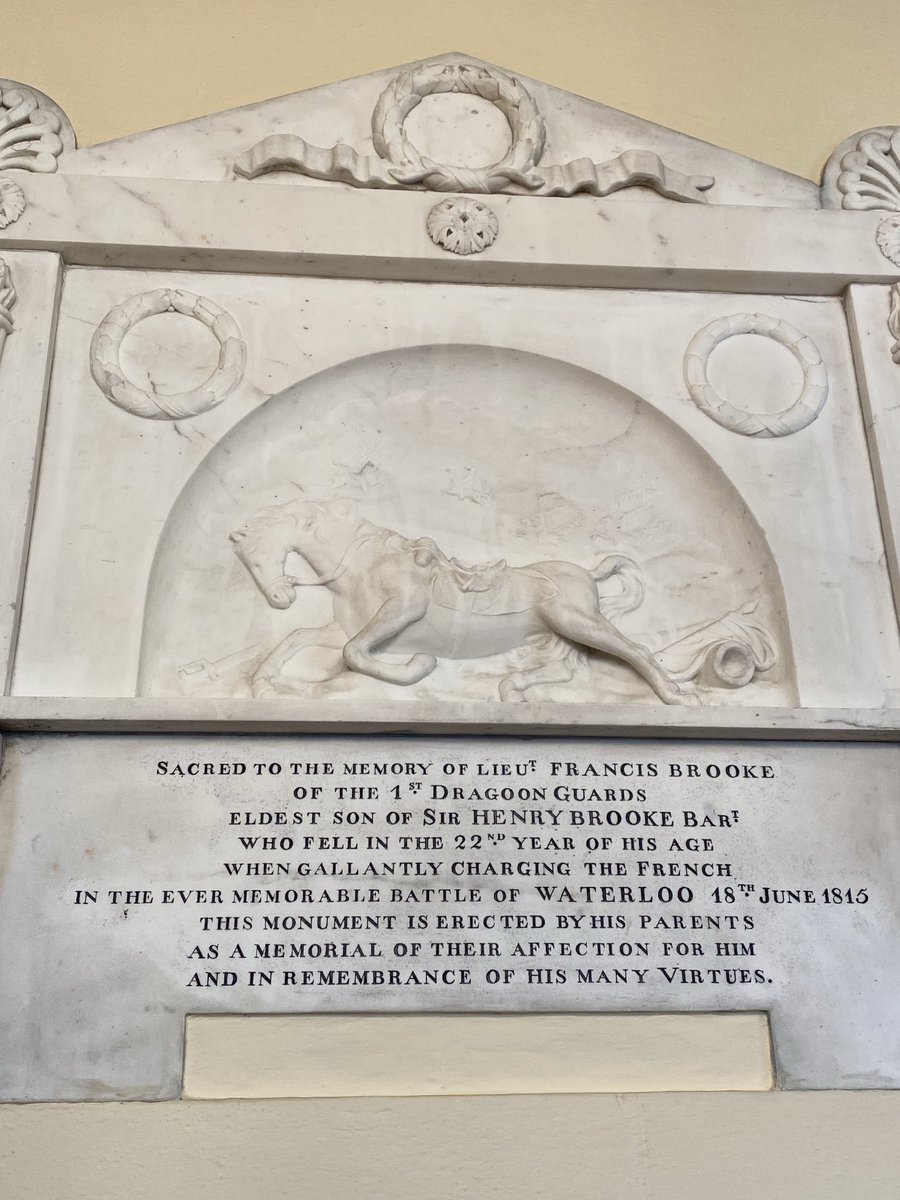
x,y
632,591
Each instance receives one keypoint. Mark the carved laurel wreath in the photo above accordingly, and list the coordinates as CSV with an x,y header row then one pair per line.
x,y
399,164
110,378
409,89
796,416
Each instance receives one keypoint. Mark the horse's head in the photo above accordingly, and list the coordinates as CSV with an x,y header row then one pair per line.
x,y
262,544
264,541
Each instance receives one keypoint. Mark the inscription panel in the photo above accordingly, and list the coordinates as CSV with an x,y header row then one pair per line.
x,y
146,878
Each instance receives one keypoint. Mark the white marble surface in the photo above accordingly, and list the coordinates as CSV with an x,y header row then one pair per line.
x,y
452,444
188,224
442,126
868,311
807,502
112,820
24,379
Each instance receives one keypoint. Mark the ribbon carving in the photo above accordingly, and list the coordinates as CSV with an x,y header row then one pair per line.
x,y
399,164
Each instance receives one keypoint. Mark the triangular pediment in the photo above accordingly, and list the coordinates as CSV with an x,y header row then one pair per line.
x,y
463,128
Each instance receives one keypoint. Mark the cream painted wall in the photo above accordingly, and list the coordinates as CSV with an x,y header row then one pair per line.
x,y
781,80
681,1146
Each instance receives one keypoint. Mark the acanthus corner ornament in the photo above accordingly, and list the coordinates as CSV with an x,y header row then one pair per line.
x,y
399,164
29,131
7,300
869,175
863,175
33,134
110,377
462,225
792,419
894,322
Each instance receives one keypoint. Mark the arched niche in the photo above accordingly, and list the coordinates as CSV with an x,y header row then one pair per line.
x,y
493,453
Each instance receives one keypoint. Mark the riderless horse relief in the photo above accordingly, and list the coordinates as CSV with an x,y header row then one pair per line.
x,y
400,604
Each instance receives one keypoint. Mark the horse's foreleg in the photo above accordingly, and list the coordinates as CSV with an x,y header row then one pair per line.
x,y
393,617
579,624
264,681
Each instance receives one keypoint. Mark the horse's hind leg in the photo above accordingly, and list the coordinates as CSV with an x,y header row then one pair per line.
x,y
591,628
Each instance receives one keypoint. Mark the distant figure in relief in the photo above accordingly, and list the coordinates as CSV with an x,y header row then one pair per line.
x,y
397,596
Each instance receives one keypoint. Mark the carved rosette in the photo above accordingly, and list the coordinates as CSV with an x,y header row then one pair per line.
x,y
462,225
12,202
400,164
110,378
792,419
888,238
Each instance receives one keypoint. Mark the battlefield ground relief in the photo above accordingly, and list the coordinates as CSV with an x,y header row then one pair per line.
x,y
377,875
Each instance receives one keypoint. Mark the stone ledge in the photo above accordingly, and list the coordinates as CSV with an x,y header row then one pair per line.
x,y
53,714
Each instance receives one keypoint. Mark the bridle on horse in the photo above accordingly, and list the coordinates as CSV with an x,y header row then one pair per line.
x,y
323,580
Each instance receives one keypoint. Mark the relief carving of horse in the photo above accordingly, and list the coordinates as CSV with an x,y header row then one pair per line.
x,y
400,596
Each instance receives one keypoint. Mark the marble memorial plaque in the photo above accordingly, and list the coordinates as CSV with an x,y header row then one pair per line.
x,y
150,878
442,402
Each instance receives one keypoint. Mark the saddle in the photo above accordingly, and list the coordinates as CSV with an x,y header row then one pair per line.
x,y
491,589
481,578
